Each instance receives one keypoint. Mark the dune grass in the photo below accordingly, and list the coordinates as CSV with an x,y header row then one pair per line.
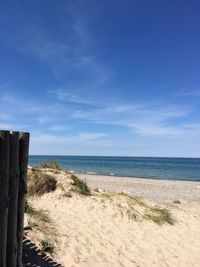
x,y
53,164
40,183
38,215
159,215
107,195
80,185
124,198
46,246
132,200
42,227
137,209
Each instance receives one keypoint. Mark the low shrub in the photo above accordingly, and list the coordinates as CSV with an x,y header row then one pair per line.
x,y
40,183
80,185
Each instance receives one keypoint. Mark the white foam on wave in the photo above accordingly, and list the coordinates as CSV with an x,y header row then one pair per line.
x,y
91,172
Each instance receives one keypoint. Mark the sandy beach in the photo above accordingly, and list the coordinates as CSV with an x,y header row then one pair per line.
x,y
160,191
90,230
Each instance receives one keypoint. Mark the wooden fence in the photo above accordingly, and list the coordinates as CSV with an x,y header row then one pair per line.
x,y
13,187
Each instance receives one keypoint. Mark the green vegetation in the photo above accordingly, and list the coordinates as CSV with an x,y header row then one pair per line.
x,y
80,185
38,215
159,215
41,223
132,200
28,208
136,208
50,165
46,246
124,197
40,183
107,195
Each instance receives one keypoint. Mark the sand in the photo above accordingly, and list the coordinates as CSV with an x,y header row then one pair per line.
x,y
89,231
160,191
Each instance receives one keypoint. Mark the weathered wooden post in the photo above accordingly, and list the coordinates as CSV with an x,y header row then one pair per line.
x,y
23,164
13,179
13,200
4,183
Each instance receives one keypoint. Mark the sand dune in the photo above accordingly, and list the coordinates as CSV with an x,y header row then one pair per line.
x,y
91,232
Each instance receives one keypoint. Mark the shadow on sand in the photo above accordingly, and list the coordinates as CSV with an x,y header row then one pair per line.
x,y
33,257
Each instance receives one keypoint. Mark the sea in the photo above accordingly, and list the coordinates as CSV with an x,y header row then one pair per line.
x,y
187,169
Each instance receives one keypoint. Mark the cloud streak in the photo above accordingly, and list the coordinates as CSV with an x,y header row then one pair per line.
x,y
142,119
59,128
67,56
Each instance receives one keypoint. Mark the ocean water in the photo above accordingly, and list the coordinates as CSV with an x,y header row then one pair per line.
x,y
141,167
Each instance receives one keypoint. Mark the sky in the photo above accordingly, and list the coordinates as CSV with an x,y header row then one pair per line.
x,y
109,77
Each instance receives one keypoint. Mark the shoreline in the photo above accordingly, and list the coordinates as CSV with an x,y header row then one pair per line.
x,y
131,177
160,191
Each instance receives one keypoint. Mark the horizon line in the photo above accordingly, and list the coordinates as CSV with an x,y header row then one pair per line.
x,y
179,157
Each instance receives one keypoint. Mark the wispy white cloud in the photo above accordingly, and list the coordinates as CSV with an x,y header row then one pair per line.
x,y
143,119
22,111
147,127
54,144
80,137
146,119
80,25
139,118
69,95
165,130
67,55
127,145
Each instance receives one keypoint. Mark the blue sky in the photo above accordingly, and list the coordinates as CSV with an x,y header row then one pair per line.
x,y
102,77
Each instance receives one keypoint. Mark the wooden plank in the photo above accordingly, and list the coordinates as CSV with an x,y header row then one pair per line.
x,y
23,164
4,187
13,200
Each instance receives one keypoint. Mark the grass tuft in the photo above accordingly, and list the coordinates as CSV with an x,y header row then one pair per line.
x,y
132,200
159,216
43,229
80,185
50,165
40,183
38,215
46,246
106,195
28,208
136,208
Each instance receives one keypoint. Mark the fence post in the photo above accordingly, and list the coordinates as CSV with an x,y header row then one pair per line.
x,y
13,200
23,163
4,187
13,182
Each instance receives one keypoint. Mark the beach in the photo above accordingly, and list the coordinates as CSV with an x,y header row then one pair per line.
x,y
160,191
90,230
